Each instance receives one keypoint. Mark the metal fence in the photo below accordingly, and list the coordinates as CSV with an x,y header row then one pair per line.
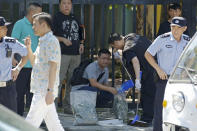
x,y
88,12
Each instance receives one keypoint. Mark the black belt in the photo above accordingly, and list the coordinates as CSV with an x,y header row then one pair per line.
x,y
6,83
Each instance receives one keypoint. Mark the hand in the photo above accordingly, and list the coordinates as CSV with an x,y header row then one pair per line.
x,y
113,91
49,99
28,42
137,84
81,49
14,74
117,55
67,42
162,74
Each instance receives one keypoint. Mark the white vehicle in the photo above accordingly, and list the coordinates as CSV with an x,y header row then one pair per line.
x,y
10,121
180,98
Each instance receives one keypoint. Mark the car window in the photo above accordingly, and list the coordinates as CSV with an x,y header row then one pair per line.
x,y
186,69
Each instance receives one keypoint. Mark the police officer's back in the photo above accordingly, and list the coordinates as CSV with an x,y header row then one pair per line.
x,y
9,46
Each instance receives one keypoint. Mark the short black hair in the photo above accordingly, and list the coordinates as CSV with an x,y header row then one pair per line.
x,y
114,37
104,51
34,4
174,6
44,17
61,0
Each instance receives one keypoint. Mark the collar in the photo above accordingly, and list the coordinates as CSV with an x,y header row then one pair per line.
x,y
46,36
173,39
26,21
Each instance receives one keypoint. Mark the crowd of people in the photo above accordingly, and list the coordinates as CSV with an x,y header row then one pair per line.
x,y
51,49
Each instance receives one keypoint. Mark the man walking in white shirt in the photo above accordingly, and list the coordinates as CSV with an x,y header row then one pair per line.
x,y
45,74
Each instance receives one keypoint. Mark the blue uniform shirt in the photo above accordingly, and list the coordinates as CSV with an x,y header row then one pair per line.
x,y
6,62
168,50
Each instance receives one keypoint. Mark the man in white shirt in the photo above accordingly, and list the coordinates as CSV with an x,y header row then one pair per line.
x,y
45,74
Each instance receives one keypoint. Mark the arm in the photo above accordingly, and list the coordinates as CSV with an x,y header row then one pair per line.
x,y
136,67
17,69
52,74
23,61
30,54
94,83
64,40
153,63
52,77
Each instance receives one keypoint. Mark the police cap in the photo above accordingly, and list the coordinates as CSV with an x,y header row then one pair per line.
x,y
179,21
3,21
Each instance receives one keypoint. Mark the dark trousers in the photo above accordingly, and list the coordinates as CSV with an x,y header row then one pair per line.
x,y
23,88
8,97
160,90
147,99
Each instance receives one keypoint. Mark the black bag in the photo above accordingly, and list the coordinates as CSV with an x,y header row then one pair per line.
x,y
77,77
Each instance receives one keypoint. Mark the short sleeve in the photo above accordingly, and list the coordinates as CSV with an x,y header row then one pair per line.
x,y
91,71
19,48
129,55
155,46
16,31
53,52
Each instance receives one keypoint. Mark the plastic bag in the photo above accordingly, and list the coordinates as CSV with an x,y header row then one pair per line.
x,y
121,107
83,104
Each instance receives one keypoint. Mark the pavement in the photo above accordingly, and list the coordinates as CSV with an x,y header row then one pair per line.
x,y
103,114
67,122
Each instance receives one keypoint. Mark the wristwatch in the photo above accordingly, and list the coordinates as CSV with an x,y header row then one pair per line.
x,y
50,89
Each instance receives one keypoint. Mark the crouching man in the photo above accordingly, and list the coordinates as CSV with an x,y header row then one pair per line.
x,y
83,96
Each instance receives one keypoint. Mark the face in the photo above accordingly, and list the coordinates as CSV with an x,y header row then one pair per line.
x,y
34,11
177,31
66,6
3,31
104,60
174,13
119,44
37,27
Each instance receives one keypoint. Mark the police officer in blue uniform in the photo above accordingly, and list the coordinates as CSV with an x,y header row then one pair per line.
x,y
168,48
9,46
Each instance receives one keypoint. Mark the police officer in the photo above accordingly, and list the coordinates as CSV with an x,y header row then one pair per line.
x,y
9,46
168,48
134,47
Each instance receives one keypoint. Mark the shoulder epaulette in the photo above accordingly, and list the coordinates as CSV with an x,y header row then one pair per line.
x,y
186,38
165,35
11,40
